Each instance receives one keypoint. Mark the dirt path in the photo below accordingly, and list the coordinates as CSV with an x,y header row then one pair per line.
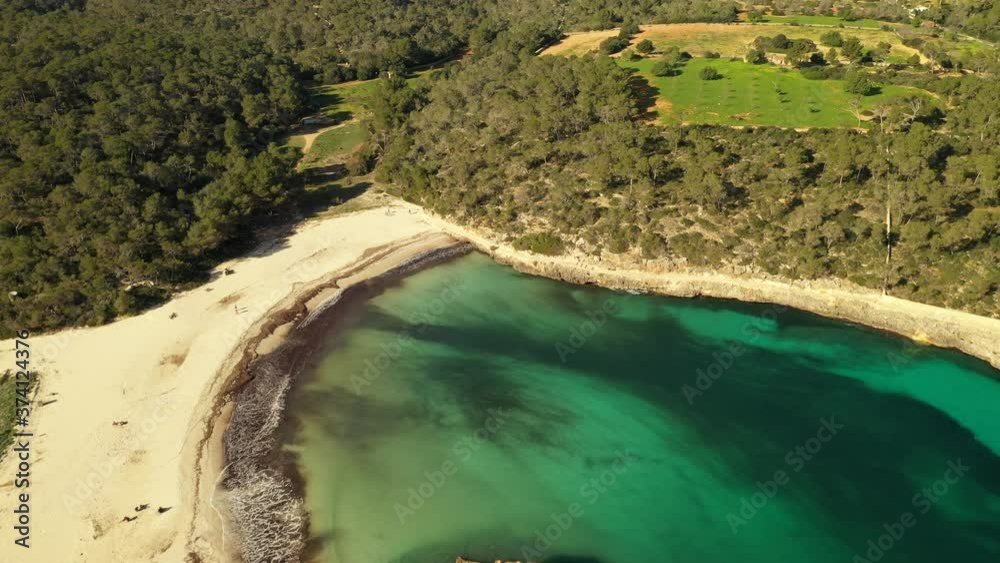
x,y
310,138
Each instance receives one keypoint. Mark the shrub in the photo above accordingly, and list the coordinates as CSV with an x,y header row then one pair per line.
x,y
756,56
541,243
612,45
652,244
713,55
709,73
824,72
629,28
832,39
859,83
645,47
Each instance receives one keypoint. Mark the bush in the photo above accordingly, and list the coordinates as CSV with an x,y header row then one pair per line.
x,y
628,29
645,47
824,72
709,73
713,55
663,68
832,39
859,83
652,244
612,45
756,56
541,243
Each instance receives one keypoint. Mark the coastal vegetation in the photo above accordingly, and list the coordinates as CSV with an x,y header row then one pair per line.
x,y
131,156
560,148
141,143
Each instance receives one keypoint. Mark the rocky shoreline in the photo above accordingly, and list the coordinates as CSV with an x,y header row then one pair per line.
x,y
971,334
263,490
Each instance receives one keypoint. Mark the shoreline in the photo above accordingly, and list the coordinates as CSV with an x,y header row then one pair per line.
x,y
174,379
261,477
128,416
297,349
973,335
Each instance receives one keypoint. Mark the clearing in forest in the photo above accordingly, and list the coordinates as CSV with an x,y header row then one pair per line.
x,y
730,40
756,95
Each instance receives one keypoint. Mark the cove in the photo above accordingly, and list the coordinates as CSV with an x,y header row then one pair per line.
x,y
472,410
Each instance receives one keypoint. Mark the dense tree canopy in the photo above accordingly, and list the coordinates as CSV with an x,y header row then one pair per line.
x,y
137,144
129,154
546,148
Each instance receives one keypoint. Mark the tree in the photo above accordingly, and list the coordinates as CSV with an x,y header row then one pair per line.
x,y
645,47
799,52
709,73
756,56
859,83
612,45
668,63
628,29
854,50
832,39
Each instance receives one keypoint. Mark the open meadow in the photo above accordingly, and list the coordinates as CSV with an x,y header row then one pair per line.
x,y
749,94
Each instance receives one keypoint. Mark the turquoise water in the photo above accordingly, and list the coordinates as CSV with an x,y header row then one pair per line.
x,y
473,410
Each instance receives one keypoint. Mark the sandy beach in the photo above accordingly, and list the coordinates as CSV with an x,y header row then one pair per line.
x,y
162,372
166,372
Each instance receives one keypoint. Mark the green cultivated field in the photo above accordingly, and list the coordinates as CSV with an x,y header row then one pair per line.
x,y
755,95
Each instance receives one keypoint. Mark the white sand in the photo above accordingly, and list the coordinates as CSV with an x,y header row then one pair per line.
x,y
161,375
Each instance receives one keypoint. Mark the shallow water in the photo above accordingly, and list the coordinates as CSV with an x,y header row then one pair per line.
x,y
473,410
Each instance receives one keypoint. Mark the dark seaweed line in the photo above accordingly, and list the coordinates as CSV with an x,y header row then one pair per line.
x,y
264,487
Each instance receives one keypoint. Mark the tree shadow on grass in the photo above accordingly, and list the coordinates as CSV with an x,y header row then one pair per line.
x,y
328,99
646,95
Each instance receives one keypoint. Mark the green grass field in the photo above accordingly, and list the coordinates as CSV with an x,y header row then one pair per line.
x,y
340,102
831,21
337,142
755,95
